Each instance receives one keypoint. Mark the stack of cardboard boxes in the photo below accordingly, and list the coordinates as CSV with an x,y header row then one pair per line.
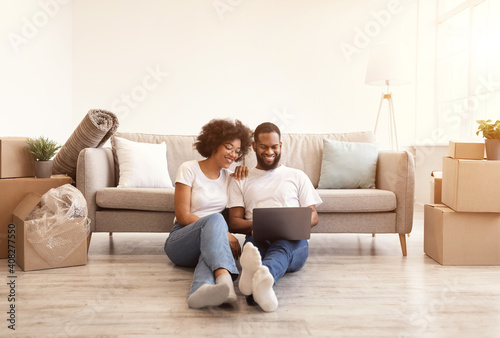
x,y
464,227
17,181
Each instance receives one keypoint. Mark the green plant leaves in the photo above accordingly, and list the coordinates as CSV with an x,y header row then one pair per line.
x,y
43,148
489,129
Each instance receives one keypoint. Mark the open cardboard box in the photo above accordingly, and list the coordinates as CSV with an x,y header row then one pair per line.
x,y
13,191
461,238
471,185
27,256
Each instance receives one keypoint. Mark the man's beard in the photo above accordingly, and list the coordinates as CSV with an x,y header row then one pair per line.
x,y
266,166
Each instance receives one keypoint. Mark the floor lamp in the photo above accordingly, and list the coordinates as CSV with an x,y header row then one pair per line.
x,y
388,65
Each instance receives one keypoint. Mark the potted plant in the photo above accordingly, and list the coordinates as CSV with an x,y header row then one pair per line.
x,y
491,133
43,149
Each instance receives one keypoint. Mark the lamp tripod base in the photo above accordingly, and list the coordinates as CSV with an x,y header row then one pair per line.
x,y
393,137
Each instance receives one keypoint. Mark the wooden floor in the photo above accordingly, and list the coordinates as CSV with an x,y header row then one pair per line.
x,y
352,285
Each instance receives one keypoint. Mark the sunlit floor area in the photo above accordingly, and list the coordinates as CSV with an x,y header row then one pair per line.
x,y
352,285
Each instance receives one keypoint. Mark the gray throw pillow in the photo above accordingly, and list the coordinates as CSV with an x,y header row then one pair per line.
x,y
348,165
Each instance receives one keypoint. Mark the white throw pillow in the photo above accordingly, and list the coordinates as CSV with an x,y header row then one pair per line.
x,y
142,165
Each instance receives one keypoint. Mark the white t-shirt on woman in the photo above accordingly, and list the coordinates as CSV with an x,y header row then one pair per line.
x,y
207,196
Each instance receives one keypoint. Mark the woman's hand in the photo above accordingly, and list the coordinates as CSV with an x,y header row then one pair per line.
x,y
235,246
240,172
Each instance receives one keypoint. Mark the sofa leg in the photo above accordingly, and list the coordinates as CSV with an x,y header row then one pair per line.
x,y
110,234
373,234
402,239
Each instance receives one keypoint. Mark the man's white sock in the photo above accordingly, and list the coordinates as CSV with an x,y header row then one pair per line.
x,y
250,261
263,293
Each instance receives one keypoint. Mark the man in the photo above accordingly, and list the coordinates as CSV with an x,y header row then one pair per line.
x,y
269,184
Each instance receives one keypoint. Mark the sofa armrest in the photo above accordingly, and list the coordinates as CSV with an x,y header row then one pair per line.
x,y
396,173
94,170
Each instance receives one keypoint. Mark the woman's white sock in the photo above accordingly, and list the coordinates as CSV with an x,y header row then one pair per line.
x,y
226,279
209,295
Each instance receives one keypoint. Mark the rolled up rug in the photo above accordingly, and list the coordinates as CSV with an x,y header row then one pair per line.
x,y
94,130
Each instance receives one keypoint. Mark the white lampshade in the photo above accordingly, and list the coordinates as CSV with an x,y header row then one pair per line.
x,y
388,65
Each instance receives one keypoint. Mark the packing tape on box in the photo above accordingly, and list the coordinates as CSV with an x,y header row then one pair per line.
x,y
59,224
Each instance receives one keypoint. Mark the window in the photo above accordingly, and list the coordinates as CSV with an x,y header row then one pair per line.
x,y
467,66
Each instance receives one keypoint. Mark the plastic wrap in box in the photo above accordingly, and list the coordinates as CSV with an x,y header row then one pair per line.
x,y
59,224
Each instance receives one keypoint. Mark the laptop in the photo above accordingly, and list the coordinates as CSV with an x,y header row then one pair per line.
x,y
291,223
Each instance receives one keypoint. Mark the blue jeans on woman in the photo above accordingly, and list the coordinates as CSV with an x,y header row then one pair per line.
x,y
203,244
281,256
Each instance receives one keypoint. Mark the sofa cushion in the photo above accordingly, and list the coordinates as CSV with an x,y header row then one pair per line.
x,y
300,151
334,200
356,200
151,199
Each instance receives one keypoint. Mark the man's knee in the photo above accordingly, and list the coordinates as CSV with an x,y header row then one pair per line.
x,y
291,246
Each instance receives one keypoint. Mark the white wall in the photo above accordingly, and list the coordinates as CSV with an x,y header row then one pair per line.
x,y
286,61
258,60
35,68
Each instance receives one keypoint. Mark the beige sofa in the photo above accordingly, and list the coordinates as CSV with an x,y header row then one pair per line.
x,y
386,209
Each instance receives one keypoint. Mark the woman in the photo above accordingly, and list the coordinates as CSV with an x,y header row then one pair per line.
x,y
200,235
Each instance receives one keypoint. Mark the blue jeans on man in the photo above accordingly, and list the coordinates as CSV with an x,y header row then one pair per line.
x,y
281,256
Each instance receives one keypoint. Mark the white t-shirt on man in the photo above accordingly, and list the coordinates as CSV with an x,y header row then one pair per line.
x,y
280,187
207,196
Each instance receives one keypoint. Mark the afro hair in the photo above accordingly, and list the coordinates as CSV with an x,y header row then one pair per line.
x,y
219,131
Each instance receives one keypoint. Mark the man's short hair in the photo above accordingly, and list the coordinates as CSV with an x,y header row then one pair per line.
x,y
264,128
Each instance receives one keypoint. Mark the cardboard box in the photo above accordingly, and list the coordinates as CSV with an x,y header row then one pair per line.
x,y
466,150
471,185
39,255
15,160
461,238
12,192
436,186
